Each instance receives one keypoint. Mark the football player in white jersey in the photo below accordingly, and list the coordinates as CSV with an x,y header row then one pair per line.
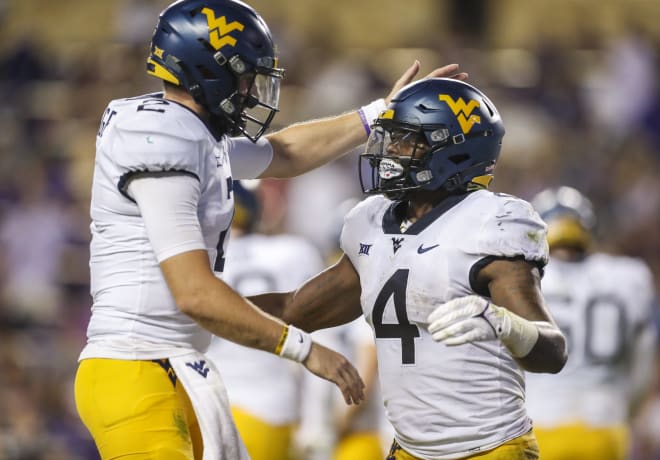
x,y
604,305
263,389
161,210
447,274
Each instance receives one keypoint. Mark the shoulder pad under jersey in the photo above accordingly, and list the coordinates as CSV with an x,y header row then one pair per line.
x,y
512,229
368,208
368,212
166,137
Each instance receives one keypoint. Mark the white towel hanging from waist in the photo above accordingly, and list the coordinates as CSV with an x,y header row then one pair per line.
x,y
208,396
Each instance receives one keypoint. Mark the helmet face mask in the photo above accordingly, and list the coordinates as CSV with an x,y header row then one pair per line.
x,y
222,53
451,133
259,98
393,152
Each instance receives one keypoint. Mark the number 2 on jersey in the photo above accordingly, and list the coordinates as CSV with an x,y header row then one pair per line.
x,y
395,287
105,120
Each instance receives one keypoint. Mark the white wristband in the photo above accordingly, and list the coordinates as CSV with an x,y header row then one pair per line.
x,y
297,344
475,319
369,113
516,333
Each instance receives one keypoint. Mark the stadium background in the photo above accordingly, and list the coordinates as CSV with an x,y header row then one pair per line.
x,y
576,81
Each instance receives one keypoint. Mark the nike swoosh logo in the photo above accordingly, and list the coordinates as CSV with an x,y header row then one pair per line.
x,y
300,339
422,250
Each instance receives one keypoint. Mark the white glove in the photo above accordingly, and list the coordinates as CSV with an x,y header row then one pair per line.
x,y
475,319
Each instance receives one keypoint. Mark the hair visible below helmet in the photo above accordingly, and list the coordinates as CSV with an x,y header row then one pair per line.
x,y
247,206
569,215
221,52
456,120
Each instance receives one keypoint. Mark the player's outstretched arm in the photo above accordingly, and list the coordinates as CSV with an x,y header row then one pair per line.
x,y
331,298
221,310
308,145
515,314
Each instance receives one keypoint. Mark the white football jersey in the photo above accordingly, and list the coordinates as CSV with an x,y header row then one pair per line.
x,y
134,315
258,382
443,402
602,304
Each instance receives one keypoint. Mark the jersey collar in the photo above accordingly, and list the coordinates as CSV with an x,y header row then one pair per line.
x,y
217,135
396,213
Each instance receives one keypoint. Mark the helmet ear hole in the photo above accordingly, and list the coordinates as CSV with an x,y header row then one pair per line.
x,y
460,158
205,72
206,45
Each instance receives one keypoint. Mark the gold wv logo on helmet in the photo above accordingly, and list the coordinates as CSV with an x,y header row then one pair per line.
x,y
462,111
219,29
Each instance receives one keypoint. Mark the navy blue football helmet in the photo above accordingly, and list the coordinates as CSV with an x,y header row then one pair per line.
x,y
453,130
569,215
222,53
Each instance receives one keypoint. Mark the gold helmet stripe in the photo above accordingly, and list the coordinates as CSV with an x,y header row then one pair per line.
x,y
480,182
157,70
387,114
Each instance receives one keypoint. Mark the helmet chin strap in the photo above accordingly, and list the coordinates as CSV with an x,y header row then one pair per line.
x,y
191,85
458,181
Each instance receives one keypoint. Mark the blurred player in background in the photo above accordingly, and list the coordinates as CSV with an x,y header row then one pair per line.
x,y
264,390
363,432
267,394
161,210
603,303
328,431
358,428
447,274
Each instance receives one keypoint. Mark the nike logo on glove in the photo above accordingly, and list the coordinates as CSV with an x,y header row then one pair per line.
x,y
421,249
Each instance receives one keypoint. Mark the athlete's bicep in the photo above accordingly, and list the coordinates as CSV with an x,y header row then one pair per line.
x,y
515,285
331,298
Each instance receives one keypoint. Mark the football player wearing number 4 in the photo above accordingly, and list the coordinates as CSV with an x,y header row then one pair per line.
x,y
604,303
161,209
448,276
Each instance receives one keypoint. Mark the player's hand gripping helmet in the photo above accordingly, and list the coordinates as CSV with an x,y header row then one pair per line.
x,y
436,133
222,53
569,215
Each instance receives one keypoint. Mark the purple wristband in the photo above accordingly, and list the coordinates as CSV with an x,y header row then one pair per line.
x,y
365,122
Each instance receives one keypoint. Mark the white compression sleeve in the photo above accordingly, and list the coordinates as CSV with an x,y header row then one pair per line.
x,y
249,159
168,204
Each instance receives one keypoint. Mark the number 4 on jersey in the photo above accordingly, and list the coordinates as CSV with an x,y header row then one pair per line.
x,y
396,287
